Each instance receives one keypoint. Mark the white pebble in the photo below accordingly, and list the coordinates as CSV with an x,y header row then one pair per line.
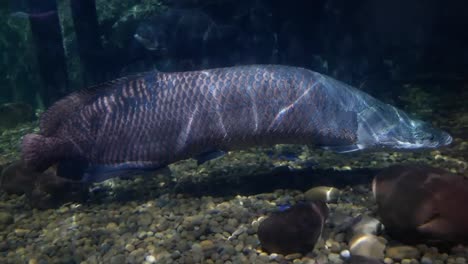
x,y
345,254
150,259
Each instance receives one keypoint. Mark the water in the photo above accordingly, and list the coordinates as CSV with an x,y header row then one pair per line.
x,y
410,55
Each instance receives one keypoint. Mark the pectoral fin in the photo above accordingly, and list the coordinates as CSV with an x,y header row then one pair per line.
x,y
343,149
105,172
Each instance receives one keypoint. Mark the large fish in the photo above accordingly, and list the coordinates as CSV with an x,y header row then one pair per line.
x,y
153,119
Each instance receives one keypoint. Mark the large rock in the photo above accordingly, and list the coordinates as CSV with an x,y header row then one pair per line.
x,y
16,180
322,193
295,230
44,190
364,225
421,203
367,246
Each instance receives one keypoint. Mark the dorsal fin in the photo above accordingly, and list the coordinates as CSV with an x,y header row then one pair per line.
x,y
52,118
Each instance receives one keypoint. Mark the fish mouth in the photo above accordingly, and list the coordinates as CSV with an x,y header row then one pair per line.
x,y
145,42
446,139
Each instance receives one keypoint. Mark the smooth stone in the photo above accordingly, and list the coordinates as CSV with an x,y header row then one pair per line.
x,y
426,260
367,225
335,247
345,254
322,193
335,258
207,245
293,256
340,237
118,259
367,246
129,247
150,259
112,226
402,252
6,218
21,232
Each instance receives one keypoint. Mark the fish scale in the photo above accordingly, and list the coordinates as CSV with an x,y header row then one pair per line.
x,y
153,119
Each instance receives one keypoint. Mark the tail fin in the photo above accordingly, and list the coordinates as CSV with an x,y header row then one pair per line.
x,y
40,152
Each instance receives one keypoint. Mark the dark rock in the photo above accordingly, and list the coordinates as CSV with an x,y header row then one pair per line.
x,y
17,180
295,230
44,190
12,114
421,203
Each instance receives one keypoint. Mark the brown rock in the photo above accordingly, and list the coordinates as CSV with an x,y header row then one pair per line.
x,y
295,230
422,203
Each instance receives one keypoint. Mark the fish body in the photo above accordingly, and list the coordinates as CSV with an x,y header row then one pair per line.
x,y
153,119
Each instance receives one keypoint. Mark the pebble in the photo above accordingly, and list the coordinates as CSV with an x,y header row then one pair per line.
x,y
129,247
112,226
323,193
340,237
118,259
368,246
150,259
367,225
345,254
335,258
426,260
207,245
293,256
6,219
333,246
402,252
21,231
388,261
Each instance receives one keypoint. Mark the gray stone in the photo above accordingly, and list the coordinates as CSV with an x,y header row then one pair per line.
x,y
403,252
367,246
6,219
367,225
322,193
118,259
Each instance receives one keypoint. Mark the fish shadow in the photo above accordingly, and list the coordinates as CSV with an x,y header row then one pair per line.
x,y
280,178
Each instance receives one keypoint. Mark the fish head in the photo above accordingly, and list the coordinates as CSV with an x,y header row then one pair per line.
x,y
151,37
385,126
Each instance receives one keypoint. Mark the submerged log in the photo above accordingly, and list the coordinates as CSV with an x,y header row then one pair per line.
x,y
47,37
89,45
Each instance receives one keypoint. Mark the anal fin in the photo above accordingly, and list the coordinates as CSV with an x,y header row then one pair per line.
x,y
343,149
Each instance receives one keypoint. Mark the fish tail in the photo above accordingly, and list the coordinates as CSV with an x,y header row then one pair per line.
x,y
40,152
